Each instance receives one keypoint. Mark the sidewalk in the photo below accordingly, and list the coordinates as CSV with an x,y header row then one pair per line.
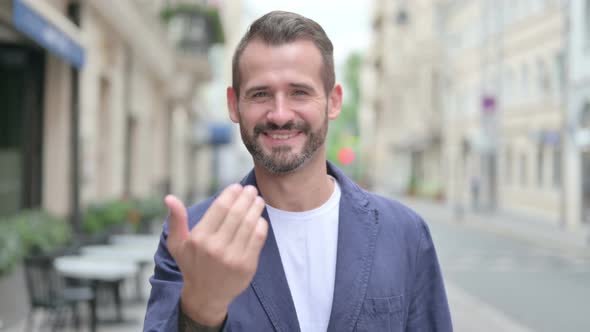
x,y
527,229
472,315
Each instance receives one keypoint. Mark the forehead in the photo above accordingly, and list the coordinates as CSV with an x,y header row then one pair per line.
x,y
299,61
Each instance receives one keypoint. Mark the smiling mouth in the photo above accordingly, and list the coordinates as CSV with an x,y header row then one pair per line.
x,y
281,136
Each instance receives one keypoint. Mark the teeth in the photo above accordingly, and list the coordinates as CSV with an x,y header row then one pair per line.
x,y
282,136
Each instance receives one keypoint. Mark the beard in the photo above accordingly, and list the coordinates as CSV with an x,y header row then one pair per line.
x,y
282,159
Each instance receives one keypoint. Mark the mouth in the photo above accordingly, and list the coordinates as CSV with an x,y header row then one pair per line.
x,y
281,138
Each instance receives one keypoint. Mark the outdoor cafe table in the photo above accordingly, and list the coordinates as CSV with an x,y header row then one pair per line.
x,y
141,254
98,270
135,239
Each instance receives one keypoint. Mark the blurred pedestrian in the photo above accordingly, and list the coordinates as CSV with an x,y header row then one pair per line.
x,y
296,246
475,187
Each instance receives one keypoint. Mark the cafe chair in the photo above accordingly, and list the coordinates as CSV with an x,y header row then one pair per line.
x,y
48,292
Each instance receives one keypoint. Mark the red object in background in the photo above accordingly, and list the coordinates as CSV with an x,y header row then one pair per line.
x,y
346,156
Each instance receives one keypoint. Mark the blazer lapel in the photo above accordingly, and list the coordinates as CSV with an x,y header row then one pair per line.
x,y
357,231
270,283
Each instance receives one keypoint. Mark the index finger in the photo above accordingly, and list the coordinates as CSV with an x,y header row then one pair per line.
x,y
214,216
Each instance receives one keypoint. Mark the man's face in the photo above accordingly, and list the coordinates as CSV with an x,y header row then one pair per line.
x,y
283,110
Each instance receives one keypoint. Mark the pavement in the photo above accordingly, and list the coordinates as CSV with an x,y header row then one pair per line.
x,y
537,231
469,313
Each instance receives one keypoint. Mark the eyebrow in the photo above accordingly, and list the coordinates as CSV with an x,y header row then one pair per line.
x,y
301,86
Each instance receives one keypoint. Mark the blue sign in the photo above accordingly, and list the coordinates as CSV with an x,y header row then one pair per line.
x,y
36,27
220,133
550,137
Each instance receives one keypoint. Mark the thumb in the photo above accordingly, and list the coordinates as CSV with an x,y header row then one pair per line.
x,y
177,222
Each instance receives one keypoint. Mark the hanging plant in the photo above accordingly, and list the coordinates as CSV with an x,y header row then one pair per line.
x,y
211,15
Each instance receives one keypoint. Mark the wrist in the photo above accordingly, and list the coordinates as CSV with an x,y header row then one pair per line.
x,y
207,313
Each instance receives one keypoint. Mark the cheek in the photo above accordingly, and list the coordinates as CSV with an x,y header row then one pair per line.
x,y
247,123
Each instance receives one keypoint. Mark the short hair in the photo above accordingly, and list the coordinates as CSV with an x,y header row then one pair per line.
x,y
279,27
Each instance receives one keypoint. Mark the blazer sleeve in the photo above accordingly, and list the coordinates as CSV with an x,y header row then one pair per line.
x,y
429,308
163,304
163,309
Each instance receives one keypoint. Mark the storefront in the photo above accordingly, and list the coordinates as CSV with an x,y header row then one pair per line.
x,y
40,54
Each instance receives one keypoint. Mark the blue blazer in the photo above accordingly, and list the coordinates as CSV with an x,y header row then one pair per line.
x,y
387,274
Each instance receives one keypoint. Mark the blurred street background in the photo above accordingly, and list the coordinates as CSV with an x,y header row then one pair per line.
x,y
476,113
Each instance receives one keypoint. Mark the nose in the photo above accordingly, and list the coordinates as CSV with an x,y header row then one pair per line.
x,y
281,113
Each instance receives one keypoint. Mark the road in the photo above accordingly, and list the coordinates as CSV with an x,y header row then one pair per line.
x,y
537,287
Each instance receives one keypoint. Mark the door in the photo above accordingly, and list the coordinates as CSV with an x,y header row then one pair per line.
x,y
21,119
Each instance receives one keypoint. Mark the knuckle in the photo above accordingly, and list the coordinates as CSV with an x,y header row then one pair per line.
x,y
236,212
198,240
215,251
250,223
233,264
223,205
194,243
261,230
259,235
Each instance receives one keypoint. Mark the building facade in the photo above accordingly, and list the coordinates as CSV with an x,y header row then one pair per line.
x,y
401,100
506,100
487,98
577,119
105,107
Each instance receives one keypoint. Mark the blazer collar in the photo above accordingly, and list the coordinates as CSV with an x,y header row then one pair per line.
x,y
357,232
270,283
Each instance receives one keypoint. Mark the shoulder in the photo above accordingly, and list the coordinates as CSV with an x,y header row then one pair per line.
x,y
397,217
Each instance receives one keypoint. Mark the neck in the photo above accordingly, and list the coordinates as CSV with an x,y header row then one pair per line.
x,y
301,190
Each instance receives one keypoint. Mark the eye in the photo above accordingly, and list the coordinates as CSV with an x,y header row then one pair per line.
x,y
300,93
260,94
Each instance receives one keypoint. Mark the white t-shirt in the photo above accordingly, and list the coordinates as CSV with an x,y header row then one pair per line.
x,y
307,244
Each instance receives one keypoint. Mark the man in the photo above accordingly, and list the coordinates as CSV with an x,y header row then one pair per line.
x,y
297,246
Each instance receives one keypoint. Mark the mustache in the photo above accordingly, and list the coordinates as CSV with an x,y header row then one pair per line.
x,y
269,126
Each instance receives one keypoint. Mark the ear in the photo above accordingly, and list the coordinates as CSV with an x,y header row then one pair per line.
x,y
335,102
232,105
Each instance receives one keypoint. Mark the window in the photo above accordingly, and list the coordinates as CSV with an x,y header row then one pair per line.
x,y
524,83
585,117
559,74
509,86
523,172
586,21
508,166
540,164
544,85
556,167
